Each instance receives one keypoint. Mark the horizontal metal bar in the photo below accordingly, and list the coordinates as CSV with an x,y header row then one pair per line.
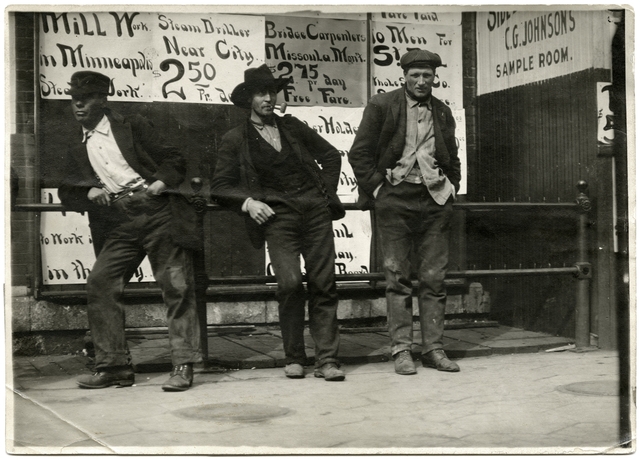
x,y
511,206
513,272
235,280
515,206
39,207
261,283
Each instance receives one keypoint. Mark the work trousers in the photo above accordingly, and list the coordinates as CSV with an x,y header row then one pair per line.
x,y
145,229
412,225
304,228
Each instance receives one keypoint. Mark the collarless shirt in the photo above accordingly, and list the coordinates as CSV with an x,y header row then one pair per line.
x,y
269,133
106,158
417,163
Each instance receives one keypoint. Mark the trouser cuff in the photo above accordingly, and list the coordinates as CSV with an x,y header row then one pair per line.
x,y
188,358
324,361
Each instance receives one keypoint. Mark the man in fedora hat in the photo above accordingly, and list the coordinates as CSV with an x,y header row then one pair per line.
x,y
125,175
405,159
267,171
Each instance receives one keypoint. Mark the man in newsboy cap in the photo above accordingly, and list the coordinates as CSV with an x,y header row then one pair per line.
x,y
125,175
406,162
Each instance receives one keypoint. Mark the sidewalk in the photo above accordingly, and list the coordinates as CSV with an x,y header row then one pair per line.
x,y
260,347
510,397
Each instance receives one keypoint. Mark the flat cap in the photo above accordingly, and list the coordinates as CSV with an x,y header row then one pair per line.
x,y
420,58
88,82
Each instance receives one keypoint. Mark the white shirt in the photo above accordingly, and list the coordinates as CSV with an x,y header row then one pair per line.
x,y
107,160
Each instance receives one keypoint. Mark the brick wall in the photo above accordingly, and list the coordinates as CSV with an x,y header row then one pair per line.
x,y
23,150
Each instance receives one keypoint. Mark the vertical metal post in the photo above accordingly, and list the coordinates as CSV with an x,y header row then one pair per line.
x,y
201,277
584,269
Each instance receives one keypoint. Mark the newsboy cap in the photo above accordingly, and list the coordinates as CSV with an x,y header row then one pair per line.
x,y
88,82
420,58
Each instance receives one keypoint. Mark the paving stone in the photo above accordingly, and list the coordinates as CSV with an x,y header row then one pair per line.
x,y
371,340
228,353
72,365
356,353
151,355
460,349
476,336
524,345
265,348
151,342
34,440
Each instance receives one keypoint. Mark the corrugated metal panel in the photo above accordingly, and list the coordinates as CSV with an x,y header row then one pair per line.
x,y
535,142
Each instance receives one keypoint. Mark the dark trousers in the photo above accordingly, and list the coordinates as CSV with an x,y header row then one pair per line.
x,y
144,230
305,231
411,224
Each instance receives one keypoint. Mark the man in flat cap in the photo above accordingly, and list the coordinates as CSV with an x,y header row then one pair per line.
x,y
126,176
267,170
405,159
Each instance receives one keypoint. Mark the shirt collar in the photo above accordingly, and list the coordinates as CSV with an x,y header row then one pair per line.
x,y
259,125
411,102
103,127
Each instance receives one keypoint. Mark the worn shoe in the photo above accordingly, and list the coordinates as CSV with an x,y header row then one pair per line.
x,y
330,372
438,360
404,363
108,377
180,379
294,371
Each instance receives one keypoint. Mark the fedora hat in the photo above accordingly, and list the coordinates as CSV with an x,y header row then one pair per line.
x,y
256,78
88,82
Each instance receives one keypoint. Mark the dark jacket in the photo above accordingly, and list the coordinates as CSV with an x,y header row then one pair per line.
x,y
236,179
148,154
379,142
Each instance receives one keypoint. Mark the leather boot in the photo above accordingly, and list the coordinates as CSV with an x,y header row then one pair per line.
x,y
121,376
181,378
438,360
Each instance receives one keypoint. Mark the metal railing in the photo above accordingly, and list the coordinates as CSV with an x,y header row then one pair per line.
x,y
581,269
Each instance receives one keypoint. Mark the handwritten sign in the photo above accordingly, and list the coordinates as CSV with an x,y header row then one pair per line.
x,y
67,248
115,43
326,58
520,47
339,127
390,41
461,141
173,57
433,18
352,240
202,57
606,134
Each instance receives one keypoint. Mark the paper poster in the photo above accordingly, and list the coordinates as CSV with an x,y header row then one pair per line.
x,y
66,246
390,41
352,240
432,17
339,127
172,57
325,58
521,47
